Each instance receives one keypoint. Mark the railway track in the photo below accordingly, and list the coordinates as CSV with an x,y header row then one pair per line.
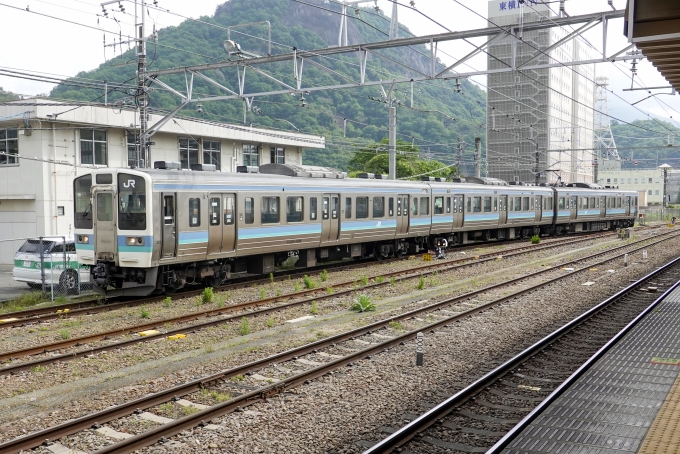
x,y
478,417
214,317
96,305
317,366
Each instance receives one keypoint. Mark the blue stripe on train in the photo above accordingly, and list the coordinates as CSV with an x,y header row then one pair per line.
x,y
279,230
481,217
193,237
350,226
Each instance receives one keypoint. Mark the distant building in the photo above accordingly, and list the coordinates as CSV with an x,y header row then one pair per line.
x,y
649,181
556,103
36,196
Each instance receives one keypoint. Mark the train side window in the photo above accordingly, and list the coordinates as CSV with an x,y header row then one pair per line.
x,y
348,208
531,200
269,211
585,202
487,204
525,205
560,203
324,207
424,206
228,211
469,204
194,212
362,207
250,210
214,211
414,207
398,206
592,202
390,207
439,205
476,204
518,204
405,209
378,207
495,204
168,210
618,202
312,208
294,209
448,204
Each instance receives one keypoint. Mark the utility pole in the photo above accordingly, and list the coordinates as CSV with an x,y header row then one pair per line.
x,y
142,96
536,172
478,157
393,143
459,159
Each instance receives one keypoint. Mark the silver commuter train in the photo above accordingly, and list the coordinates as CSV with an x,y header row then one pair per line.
x,y
143,231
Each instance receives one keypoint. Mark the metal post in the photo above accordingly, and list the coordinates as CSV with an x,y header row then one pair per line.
x,y
419,349
51,279
42,264
142,96
459,159
106,93
344,127
393,143
665,181
537,173
478,155
596,165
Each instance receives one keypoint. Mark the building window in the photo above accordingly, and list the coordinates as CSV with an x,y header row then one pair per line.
x,y
251,155
650,180
656,192
132,144
649,192
212,153
278,155
188,152
656,180
9,147
93,147
60,210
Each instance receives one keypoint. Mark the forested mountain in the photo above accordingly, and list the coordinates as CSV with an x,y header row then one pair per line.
x,y
311,24
643,141
7,96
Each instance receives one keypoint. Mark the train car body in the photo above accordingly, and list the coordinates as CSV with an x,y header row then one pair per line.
x,y
145,231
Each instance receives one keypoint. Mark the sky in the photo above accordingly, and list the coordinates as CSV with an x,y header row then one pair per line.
x,y
43,44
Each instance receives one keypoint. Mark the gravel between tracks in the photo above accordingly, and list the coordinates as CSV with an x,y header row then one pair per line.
x,y
353,384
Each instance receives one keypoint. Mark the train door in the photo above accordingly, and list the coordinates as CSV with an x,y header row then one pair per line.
x,y
104,224
330,217
168,230
502,209
626,203
402,214
539,208
573,207
221,226
603,208
458,215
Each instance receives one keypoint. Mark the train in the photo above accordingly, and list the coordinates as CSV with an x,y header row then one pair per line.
x,y
153,231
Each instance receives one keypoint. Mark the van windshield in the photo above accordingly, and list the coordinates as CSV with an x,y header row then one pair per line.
x,y
33,246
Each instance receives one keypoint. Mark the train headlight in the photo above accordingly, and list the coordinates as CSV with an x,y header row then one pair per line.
x,y
134,241
83,239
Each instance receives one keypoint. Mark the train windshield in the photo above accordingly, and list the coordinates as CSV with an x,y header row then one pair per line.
x,y
83,202
131,202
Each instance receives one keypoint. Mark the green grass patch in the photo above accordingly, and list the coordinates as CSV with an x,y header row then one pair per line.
x,y
309,283
323,276
363,304
245,327
207,295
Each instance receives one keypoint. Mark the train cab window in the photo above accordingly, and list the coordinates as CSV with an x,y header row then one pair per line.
x,y
487,204
228,210
324,207
294,209
560,203
414,207
518,204
448,204
439,205
335,207
249,210
348,208
312,208
362,207
194,212
390,207
398,206
525,205
269,211
378,207
476,204
214,211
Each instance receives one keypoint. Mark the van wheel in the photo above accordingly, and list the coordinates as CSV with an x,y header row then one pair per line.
x,y
69,282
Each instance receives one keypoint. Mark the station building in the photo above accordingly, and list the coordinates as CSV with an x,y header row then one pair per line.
x,y
44,145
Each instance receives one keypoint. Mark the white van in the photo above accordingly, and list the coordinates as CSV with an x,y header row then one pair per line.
x,y
54,250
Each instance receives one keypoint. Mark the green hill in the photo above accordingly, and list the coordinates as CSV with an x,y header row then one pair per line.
x,y
306,27
644,145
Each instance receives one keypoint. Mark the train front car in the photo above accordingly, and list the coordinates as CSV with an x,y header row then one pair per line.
x,y
114,231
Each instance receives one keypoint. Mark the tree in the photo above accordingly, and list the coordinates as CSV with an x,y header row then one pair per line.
x,y
374,158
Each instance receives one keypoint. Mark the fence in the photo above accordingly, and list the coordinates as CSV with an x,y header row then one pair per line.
x,y
44,267
655,214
